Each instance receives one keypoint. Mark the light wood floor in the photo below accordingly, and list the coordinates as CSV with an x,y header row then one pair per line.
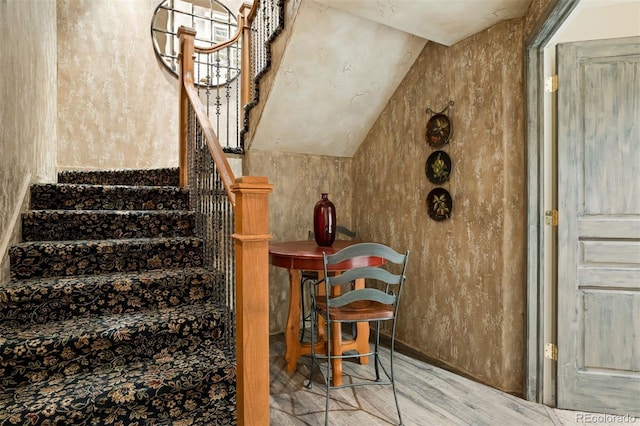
x,y
428,396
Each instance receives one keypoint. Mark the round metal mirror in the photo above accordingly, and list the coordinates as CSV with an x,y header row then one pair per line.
x,y
214,23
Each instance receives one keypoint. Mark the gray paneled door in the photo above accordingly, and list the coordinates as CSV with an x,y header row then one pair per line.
x,y
599,226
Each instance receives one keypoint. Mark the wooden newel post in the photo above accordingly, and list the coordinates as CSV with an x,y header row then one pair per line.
x,y
252,298
185,75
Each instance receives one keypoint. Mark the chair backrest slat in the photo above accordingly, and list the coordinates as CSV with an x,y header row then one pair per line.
x,y
388,295
372,294
366,249
366,272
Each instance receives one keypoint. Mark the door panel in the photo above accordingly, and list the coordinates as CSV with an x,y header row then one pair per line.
x,y
599,226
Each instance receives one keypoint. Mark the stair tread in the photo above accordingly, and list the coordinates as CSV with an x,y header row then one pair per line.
x,y
106,242
103,324
39,300
169,188
39,212
166,372
69,225
164,174
37,340
70,196
35,285
94,257
156,176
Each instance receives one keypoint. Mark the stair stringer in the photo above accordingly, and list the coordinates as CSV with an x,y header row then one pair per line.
x,y
265,81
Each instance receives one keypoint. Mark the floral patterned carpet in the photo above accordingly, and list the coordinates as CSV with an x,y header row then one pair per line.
x,y
110,317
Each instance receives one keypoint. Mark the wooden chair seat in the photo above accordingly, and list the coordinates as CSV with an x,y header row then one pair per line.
x,y
362,310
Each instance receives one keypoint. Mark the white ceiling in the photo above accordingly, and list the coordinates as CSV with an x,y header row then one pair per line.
x,y
342,65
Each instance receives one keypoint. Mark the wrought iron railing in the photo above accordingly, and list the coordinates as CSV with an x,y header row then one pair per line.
x,y
219,74
214,220
224,78
218,82
216,76
214,82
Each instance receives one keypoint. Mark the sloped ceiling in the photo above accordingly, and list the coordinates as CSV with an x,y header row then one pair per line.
x,y
345,59
443,21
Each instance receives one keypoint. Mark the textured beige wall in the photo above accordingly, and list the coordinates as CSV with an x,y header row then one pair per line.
x,y
298,182
117,106
27,109
465,299
463,304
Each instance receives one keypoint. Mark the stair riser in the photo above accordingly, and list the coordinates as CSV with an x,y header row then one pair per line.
x,y
32,260
85,197
151,177
66,298
206,405
212,405
162,393
50,225
55,353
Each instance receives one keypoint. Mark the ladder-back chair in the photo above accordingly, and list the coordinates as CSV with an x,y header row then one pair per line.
x,y
376,302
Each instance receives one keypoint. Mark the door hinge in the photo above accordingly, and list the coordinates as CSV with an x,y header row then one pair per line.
x,y
551,351
551,84
551,217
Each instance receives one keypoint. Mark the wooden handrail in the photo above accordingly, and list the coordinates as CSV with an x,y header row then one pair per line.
x,y
243,20
187,91
224,169
245,82
185,67
252,12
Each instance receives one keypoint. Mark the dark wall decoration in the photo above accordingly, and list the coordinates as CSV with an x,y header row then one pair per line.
x,y
438,165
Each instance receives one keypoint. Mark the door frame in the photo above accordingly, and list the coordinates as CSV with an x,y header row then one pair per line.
x,y
536,301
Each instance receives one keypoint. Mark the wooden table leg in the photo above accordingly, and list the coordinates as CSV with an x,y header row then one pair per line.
x,y
292,332
362,341
362,332
295,349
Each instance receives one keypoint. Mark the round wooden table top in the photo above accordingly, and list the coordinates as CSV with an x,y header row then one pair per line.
x,y
307,255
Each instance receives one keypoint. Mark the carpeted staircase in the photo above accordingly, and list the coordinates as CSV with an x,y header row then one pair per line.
x,y
109,317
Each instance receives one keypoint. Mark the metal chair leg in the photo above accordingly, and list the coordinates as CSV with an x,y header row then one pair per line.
x,y
313,354
329,373
304,315
395,396
393,377
376,358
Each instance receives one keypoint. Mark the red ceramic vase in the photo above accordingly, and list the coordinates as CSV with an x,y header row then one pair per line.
x,y
324,222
